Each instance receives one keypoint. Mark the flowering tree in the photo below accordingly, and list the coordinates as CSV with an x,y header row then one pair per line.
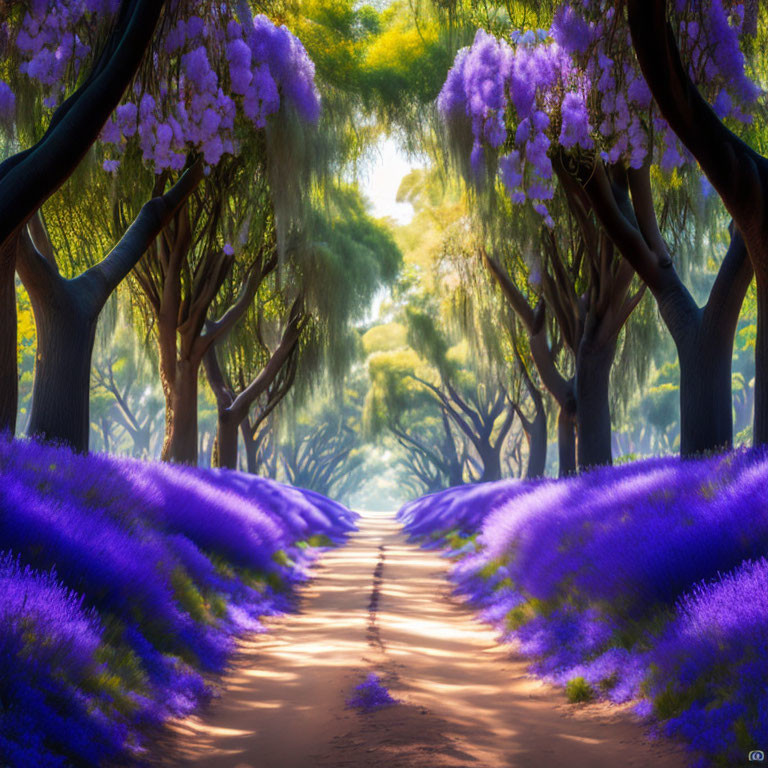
x,y
210,83
31,176
571,103
735,169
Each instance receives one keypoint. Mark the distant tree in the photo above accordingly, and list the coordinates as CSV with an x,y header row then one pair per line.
x,y
322,449
121,378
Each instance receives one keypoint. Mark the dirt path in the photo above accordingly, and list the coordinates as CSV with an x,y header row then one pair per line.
x,y
381,604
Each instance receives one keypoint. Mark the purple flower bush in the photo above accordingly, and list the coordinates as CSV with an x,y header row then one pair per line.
x,y
648,581
123,584
371,695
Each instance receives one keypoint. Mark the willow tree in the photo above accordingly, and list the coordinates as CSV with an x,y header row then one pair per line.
x,y
87,82
339,260
67,312
681,70
574,110
435,454
187,109
496,333
256,146
634,137
477,402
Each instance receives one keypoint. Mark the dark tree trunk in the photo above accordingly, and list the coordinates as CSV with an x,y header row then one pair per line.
x,y
455,475
226,439
704,341
706,413
537,446
703,336
593,412
9,381
67,312
735,169
60,395
760,436
233,409
251,448
180,443
566,440
30,177
491,459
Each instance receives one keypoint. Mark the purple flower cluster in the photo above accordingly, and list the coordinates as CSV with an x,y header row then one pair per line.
x,y
266,66
647,580
579,87
492,85
50,40
124,582
371,695
208,70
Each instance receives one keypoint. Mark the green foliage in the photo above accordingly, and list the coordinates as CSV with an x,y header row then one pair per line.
x,y
578,690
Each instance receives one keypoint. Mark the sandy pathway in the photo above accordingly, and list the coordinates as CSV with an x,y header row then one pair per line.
x,y
381,604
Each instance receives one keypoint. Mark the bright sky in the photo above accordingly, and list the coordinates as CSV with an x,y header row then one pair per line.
x,y
381,179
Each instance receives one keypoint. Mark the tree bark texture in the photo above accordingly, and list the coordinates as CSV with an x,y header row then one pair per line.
x,y
66,331
67,313
180,388
30,177
9,381
566,441
703,335
593,414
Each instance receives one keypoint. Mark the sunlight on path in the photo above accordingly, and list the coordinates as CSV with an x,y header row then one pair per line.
x,y
382,604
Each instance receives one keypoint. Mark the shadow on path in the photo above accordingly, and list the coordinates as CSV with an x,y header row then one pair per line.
x,y
381,604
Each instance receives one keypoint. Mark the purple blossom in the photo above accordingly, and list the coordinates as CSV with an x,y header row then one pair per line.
x,y
583,77
647,579
371,695
149,589
213,73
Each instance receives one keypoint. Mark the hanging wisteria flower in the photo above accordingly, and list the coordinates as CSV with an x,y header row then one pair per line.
x,y
578,87
210,70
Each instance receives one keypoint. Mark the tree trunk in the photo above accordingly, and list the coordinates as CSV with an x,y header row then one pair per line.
x,y
9,379
704,341
226,440
566,441
706,415
491,465
593,412
537,446
251,448
760,434
61,390
180,443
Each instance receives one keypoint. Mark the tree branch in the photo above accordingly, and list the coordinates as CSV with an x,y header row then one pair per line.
x,y
101,280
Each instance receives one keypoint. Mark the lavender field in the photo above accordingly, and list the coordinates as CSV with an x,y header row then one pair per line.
x,y
123,586
644,583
